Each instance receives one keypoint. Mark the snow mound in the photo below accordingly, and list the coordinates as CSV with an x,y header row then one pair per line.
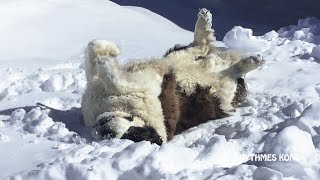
x,y
289,140
49,43
316,52
42,133
307,121
264,173
270,36
37,121
4,138
310,118
219,152
295,153
170,162
306,30
241,39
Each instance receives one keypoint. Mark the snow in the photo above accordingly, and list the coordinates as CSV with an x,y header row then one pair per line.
x,y
242,39
42,135
289,140
264,173
306,30
316,52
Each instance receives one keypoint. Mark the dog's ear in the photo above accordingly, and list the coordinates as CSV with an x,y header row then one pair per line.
x,y
146,133
240,81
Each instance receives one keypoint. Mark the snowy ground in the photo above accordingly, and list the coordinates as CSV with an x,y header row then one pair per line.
x,y
274,135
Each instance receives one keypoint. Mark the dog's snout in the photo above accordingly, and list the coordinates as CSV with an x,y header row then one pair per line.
x,y
103,132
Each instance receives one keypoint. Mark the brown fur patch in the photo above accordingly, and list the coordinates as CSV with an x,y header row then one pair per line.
x,y
170,102
198,108
182,111
240,94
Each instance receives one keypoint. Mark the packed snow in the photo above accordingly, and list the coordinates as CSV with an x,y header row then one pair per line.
x,y
275,134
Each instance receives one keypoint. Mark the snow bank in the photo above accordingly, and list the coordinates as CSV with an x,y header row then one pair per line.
x,y
264,173
310,119
316,52
295,154
307,121
289,140
169,161
242,39
306,30
58,31
37,121
4,138
219,152
42,134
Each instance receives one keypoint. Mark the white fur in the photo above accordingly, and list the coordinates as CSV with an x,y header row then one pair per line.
x,y
217,69
94,48
111,89
116,91
189,73
203,34
118,123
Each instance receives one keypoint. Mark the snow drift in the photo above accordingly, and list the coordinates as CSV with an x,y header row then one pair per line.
x,y
42,80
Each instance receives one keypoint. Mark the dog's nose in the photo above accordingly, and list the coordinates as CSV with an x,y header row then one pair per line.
x,y
103,132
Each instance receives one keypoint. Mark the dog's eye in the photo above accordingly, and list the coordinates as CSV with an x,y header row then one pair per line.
x,y
129,118
104,120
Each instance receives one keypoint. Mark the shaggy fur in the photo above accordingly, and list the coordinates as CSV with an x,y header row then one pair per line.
x,y
170,101
200,107
208,85
177,47
153,99
184,111
203,33
116,94
240,94
98,48
213,68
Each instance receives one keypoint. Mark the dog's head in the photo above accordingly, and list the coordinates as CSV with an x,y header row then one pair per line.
x,y
123,125
250,63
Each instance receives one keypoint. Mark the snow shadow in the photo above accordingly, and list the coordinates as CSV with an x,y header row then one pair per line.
x,y
72,118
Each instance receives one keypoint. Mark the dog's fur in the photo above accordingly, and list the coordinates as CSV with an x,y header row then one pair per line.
x,y
116,94
171,103
203,33
184,111
205,85
153,99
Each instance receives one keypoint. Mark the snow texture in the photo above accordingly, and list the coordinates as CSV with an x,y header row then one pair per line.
x,y
275,134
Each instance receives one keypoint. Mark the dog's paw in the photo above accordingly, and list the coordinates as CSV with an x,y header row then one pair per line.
x,y
206,16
